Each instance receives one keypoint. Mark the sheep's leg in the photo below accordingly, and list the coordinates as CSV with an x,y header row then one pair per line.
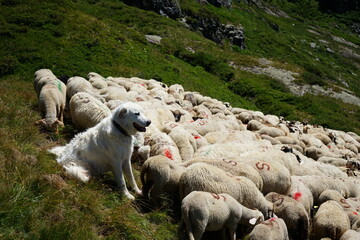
x,y
154,193
119,177
199,223
130,176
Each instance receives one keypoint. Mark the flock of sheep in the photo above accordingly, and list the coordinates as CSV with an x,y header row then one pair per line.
x,y
280,179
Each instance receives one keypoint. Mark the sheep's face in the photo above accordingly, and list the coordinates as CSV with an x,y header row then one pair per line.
x,y
50,125
130,116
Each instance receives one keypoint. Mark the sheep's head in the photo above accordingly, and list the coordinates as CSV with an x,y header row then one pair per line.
x,y
50,125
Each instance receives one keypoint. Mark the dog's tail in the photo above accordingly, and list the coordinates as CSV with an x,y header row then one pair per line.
x,y
77,172
57,150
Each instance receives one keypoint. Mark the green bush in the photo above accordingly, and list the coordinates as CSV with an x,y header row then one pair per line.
x,y
8,64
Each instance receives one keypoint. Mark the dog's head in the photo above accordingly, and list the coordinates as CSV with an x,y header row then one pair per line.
x,y
131,118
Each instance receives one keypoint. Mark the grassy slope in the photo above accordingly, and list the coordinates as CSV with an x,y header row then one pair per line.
x,y
105,36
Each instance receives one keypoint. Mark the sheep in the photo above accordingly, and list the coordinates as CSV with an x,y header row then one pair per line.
x,y
184,141
346,205
80,84
271,229
97,81
293,213
161,144
204,126
254,125
177,91
272,140
231,149
46,75
272,120
231,136
339,162
236,168
315,153
276,177
350,235
114,93
318,184
51,105
271,131
160,175
301,193
204,177
87,111
330,221
205,211
245,117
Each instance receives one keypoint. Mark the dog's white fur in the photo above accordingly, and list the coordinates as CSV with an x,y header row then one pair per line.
x,y
105,147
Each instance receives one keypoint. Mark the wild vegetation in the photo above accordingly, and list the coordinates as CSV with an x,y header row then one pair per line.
x,y
75,37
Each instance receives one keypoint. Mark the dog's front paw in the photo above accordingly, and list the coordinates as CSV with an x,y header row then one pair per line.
x,y
138,192
129,196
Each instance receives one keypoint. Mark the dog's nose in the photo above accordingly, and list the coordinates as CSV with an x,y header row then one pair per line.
x,y
148,122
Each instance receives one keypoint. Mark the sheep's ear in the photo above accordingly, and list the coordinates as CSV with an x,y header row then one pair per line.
x,y
40,122
253,221
275,216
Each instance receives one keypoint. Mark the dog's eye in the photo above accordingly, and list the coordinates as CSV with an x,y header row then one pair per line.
x,y
137,113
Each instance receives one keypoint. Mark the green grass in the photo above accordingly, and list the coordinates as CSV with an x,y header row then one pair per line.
x,y
106,36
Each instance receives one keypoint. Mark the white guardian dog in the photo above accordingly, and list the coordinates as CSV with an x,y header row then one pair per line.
x,y
105,147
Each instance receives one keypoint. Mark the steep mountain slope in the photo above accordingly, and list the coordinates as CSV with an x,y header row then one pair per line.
x,y
284,52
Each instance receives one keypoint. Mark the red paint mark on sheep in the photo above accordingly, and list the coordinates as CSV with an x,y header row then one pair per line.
x,y
173,125
355,213
138,99
143,84
344,203
297,196
197,137
168,154
202,122
262,166
230,162
217,196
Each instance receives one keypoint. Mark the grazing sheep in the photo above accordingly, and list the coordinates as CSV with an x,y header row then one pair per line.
x,y
272,229
87,111
276,177
80,84
350,235
293,213
318,184
271,131
97,81
234,167
204,177
204,211
315,153
51,105
161,144
330,221
160,175
231,136
254,125
231,149
177,91
43,75
184,141
301,193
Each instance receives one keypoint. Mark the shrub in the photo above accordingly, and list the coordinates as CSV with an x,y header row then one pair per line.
x,y
8,64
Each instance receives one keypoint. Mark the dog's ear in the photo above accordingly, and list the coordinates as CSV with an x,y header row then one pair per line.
x,y
121,113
